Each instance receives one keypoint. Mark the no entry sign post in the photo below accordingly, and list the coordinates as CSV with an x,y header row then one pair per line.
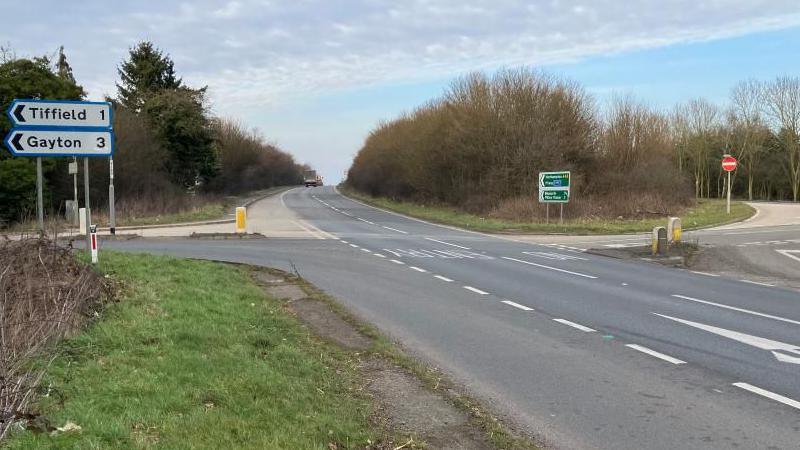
x,y
729,164
47,128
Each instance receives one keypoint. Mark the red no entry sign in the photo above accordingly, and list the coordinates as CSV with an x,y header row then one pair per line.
x,y
729,163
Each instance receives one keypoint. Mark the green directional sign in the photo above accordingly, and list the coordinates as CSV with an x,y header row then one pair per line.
x,y
554,179
554,196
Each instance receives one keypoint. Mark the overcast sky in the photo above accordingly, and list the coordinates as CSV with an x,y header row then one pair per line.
x,y
315,76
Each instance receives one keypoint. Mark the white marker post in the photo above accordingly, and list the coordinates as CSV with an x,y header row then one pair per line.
x,y
93,230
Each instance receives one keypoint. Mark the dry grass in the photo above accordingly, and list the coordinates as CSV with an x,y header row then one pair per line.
x,y
45,294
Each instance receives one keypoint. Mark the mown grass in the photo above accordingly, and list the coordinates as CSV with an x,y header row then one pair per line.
x,y
707,213
195,355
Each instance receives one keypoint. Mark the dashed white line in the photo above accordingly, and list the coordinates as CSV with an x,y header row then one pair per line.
x,y
656,354
366,250
365,220
704,273
418,269
344,242
397,262
447,243
354,246
758,283
733,308
770,395
476,290
517,305
443,278
575,325
394,229
379,255
550,268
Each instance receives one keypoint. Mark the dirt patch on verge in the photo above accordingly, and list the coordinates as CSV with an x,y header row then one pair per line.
x,y
327,324
413,412
409,407
679,255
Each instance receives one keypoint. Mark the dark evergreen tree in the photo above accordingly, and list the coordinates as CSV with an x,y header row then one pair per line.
x,y
27,78
146,73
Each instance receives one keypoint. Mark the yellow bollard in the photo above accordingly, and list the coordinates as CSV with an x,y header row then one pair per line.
x,y
241,219
674,230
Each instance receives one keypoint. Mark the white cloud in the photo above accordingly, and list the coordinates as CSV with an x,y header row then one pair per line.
x,y
254,52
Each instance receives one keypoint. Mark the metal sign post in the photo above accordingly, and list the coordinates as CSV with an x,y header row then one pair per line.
x,y
729,164
39,200
86,203
111,212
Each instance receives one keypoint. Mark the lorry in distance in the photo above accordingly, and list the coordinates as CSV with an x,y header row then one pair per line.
x,y
311,178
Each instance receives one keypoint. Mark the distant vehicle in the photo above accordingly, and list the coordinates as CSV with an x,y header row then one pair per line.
x,y
312,179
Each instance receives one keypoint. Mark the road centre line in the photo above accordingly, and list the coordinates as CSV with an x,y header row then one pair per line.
x,y
447,243
770,395
394,229
343,241
443,278
733,308
418,269
366,250
758,283
550,268
354,246
379,255
365,220
656,354
575,325
397,262
476,290
516,305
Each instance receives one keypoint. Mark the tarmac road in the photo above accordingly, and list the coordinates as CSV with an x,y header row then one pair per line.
x,y
581,350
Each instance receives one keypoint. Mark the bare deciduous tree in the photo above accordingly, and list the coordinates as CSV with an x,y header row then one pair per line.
x,y
782,103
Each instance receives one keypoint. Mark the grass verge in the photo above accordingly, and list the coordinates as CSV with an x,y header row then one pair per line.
x,y
707,213
208,211
197,356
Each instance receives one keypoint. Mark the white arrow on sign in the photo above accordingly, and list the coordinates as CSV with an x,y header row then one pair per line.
x,y
55,142
765,344
52,113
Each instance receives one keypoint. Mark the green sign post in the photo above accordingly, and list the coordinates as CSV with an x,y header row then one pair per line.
x,y
554,188
553,180
560,196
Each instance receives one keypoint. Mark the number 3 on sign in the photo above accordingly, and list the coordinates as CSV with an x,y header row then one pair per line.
x,y
101,142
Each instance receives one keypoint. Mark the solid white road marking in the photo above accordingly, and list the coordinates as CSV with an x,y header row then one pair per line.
x,y
656,354
757,282
447,243
443,278
397,262
418,269
704,273
770,395
754,341
550,268
517,305
790,254
575,325
394,229
308,230
733,308
475,290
